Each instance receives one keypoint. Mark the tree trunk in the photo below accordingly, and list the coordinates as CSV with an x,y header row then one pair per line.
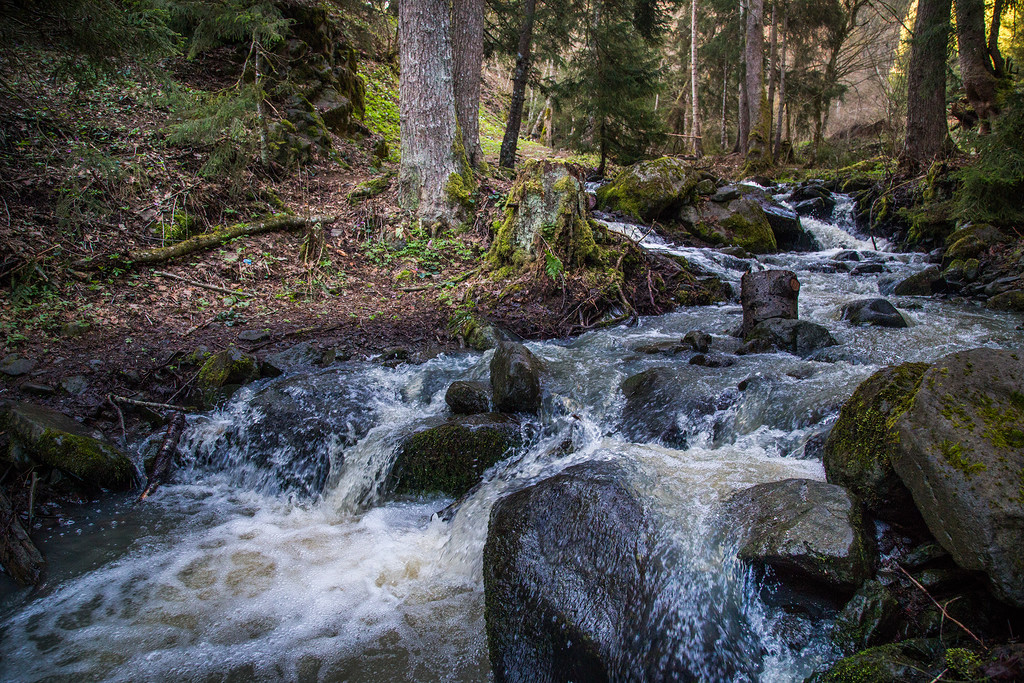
x,y
426,111
768,294
777,148
758,151
993,39
698,148
507,157
926,85
725,92
772,56
975,68
744,106
467,60
18,554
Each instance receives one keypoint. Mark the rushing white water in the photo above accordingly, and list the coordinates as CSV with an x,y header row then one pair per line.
x,y
276,558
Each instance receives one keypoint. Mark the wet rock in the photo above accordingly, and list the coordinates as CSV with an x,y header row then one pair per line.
x,y
651,190
49,438
911,661
789,233
768,294
223,373
960,452
450,458
301,355
667,347
925,283
468,398
669,405
570,592
515,379
847,255
924,555
875,312
725,194
799,337
804,528
869,618
867,269
1003,284
1012,301
861,447
713,360
697,340
819,207
14,365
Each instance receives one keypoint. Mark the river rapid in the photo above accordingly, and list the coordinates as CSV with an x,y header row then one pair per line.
x,y
250,567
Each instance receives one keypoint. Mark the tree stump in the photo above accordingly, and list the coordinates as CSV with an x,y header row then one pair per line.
x,y
18,554
768,294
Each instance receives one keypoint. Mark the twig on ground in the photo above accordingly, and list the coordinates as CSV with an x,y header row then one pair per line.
x,y
941,607
196,283
151,404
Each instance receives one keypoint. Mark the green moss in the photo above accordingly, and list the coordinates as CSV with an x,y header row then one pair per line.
x,y
85,458
953,454
457,191
370,188
963,663
754,235
1003,428
1012,301
229,367
381,106
649,190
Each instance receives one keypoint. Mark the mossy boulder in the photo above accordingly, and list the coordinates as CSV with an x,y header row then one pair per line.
x,y
803,528
960,452
740,222
547,214
451,458
862,444
868,619
53,439
223,373
468,398
651,190
1012,301
799,337
972,242
910,661
924,283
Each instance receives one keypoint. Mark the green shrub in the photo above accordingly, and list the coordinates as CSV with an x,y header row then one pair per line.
x,y
991,190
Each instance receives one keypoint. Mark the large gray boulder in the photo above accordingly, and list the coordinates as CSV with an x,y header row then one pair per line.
x,y
799,337
515,379
737,222
451,458
961,454
53,439
806,528
873,312
925,283
668,404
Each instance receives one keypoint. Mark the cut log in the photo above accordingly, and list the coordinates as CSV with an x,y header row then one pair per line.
x,y
207,240
768,294
165,456
18,554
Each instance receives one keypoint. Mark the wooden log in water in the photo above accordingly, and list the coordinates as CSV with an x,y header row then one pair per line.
x,y
18,554
165,456
768,294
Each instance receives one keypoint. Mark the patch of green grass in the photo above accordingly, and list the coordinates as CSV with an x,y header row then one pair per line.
x,y
382,106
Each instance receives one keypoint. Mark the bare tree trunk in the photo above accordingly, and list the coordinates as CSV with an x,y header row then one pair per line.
x,y
993,39
926,85
261,103
744,106
507,157
542,113
772,54
975,68
777,148
698,148
426,111
758,151
725,91
467,60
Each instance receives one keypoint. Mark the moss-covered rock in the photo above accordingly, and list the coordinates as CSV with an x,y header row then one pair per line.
x,y
52,439
911,661
972,242
468,398
740,222
223,372
651,190
450,458
369,188
1012,301
868,619
862,443
925,283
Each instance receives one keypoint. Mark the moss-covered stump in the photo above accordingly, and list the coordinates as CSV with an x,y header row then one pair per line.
x,y
862,444
223,373
804,528
960,451
54,440
450,458
652,190
546,218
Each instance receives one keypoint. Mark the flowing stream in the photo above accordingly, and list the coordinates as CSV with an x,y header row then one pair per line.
x,y
260,563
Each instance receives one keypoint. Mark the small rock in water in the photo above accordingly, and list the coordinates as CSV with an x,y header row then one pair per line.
x,y
468,398
877,312
667,347
16,366
713,360
868,269
515,378
697,340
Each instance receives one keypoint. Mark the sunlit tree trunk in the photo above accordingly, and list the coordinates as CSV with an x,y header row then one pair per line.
x,y
758,150
467,60
507,157
744,107
975,68
926,85
698,148
426,111
777,147
993,38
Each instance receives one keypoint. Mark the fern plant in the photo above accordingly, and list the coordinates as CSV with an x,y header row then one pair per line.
x,y
991,190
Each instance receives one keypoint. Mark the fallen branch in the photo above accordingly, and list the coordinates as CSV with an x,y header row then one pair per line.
x,y
18,554
196,283
207,240
942,608
454,281
151,404
165,456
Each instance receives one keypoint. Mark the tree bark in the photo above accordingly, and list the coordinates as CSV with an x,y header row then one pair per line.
x,y
777,147
772,56
744,107
18,554
725,91
926,85
768,294
507,156
975,69
426,111
698,148
758,151
993,39
467,61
